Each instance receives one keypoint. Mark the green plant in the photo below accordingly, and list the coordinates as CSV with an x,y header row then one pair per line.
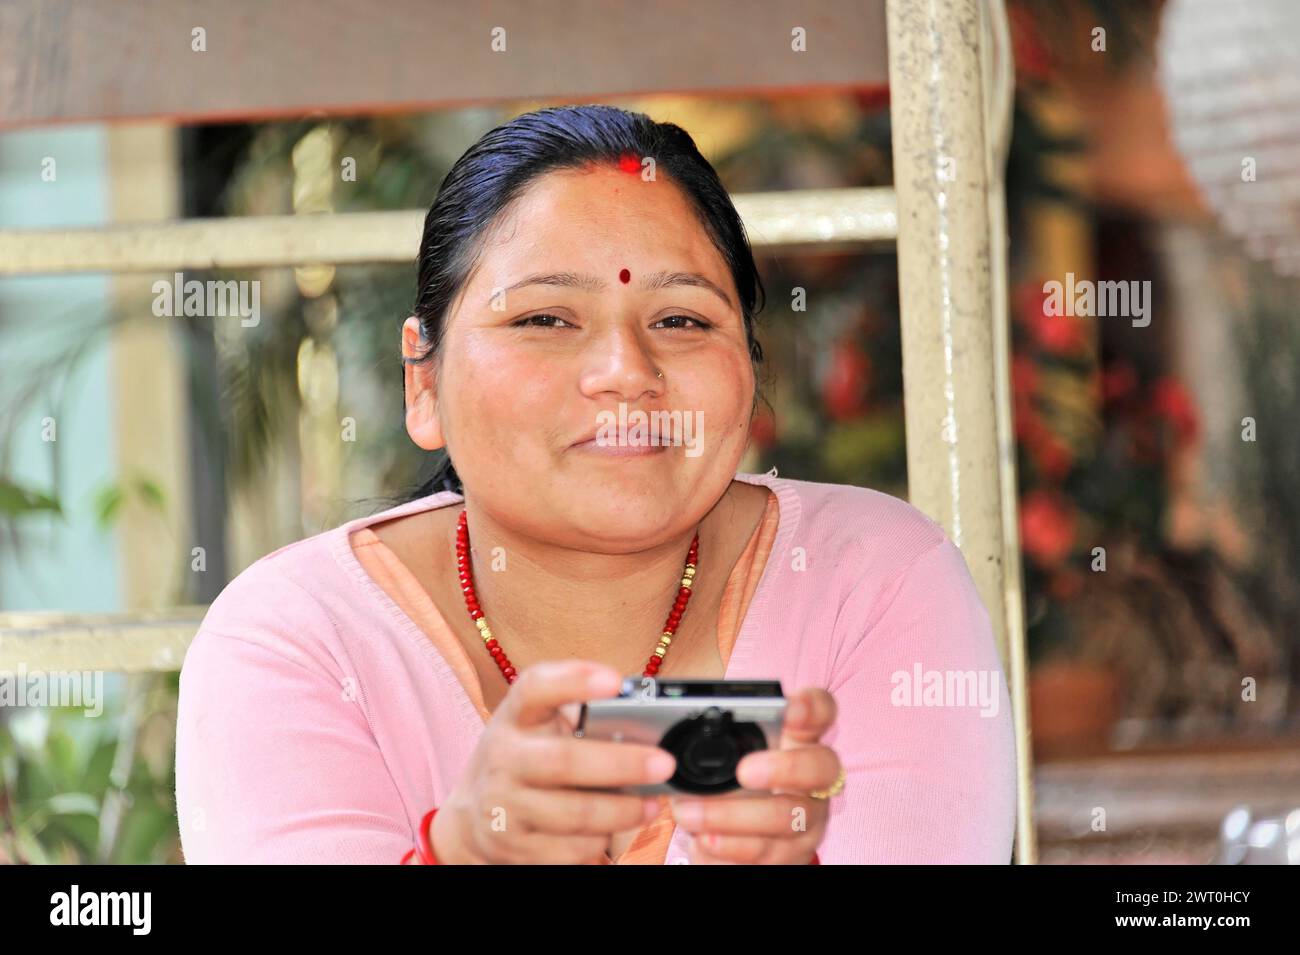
x,y
83,788
91,789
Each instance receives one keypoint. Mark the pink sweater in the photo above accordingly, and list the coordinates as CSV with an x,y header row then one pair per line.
x,y
317,723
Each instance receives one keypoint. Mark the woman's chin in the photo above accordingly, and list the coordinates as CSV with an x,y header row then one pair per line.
x,y
626,514
626,473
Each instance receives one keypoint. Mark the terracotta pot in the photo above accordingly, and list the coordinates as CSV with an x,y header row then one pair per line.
x,y
1073,708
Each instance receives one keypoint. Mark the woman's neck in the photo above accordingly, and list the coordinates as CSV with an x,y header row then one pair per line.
x,y
546,602
551,603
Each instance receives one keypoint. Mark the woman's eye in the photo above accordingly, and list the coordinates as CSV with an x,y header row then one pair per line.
x,y
539,321
677,319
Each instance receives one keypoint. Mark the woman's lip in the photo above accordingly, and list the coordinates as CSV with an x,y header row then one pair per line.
x,y
618,450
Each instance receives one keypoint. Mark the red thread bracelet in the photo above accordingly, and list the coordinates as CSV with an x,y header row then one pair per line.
x,y
423,846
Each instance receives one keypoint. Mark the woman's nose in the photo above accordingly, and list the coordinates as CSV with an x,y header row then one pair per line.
x,y
619,363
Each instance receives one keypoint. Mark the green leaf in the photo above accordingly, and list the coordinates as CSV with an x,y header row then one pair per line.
x,y
75,835
108,503
148,833
15,500
68,804
151,493
62,757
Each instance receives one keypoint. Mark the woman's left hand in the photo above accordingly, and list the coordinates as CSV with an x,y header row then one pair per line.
x,y
786,826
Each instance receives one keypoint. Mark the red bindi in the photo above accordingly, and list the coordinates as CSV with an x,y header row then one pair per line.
x,y
629,163
625,276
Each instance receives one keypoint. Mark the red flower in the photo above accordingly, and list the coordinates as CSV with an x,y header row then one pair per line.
x,y
1055,334
1047,526
1172,402
1058,334
1032,58
844,388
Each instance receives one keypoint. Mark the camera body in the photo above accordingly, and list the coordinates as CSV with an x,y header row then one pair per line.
x,y
707,725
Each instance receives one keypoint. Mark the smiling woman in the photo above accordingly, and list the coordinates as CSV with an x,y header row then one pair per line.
x,y
347,699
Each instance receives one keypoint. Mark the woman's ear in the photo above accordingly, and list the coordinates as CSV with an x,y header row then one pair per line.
x,y
419,382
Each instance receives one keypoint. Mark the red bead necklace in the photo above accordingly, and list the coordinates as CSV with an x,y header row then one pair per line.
x,y
465,570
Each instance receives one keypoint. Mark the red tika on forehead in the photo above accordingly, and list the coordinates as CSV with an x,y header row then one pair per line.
x,y
625,276
629,163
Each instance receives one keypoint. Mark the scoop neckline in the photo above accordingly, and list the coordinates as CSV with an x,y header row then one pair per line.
x,y
742,651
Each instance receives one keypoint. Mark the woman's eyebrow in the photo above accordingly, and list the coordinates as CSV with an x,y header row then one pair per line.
x,y
655,280
564,279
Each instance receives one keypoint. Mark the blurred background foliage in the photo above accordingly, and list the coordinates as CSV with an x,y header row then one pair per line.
x,y
79,789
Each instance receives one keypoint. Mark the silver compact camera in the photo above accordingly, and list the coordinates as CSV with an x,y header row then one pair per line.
x,y
707,725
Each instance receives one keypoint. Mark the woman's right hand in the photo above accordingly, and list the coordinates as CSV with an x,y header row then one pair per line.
x,y
525,796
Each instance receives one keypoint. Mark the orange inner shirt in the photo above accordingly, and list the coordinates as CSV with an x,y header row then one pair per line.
x,y
650,846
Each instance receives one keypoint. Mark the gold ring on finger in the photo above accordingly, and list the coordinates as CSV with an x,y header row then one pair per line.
x,y
836,788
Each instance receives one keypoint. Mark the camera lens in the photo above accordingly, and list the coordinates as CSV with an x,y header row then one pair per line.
x,y
708,748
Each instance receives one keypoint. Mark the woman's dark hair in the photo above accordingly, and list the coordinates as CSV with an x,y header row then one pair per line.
x,y
493,172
